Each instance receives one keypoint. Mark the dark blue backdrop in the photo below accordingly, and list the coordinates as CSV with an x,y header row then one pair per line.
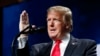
x,y
86,18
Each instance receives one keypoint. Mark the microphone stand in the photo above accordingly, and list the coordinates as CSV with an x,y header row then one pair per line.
x,y
13,46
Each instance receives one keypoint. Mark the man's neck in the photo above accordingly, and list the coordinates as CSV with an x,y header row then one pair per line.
x,y
66,35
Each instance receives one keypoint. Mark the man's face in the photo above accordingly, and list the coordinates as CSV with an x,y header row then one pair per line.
x,y
55,25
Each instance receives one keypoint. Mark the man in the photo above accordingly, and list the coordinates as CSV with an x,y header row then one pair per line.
x,y
59,26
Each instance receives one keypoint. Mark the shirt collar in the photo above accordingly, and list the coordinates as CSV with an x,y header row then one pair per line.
x,y
65,39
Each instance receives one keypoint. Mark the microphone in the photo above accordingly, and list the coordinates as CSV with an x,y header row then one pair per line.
x,y
30,31
33,30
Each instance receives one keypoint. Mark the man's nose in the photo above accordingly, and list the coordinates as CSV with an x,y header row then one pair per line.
x,y
52,24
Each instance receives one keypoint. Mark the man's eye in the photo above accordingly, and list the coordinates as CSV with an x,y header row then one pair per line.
x,y
56,20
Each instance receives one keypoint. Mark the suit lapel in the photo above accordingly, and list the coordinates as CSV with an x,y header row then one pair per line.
x,y
71,46
48,49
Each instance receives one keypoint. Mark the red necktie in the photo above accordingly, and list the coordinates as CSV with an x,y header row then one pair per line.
x,y
56,49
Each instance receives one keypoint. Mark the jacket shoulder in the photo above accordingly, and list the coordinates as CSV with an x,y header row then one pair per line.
x,y
87,44
86,47
87,41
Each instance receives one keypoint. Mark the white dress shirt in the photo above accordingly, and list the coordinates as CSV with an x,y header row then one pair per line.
x,y
63,44
22,41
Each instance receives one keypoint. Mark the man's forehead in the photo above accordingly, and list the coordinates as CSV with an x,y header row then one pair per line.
x,y
54,13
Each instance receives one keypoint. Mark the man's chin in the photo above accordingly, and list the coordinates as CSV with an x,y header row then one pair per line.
x,y
52,37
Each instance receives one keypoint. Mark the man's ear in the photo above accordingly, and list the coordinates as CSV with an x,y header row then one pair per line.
x,y
67,26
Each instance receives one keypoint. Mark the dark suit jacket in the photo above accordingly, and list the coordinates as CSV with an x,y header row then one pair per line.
x,y
76,47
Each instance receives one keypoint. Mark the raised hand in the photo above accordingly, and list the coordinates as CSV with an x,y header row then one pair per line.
x,y
24,20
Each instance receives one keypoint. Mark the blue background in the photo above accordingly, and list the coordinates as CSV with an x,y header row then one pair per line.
x,y
86,20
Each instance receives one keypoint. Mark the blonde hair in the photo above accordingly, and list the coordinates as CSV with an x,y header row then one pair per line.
x,y
66,12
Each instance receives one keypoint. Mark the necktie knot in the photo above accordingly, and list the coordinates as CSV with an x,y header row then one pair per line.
x,y
58,41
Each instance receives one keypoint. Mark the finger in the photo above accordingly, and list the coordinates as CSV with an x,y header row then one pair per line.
x,y
27,17
22,14
24,17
